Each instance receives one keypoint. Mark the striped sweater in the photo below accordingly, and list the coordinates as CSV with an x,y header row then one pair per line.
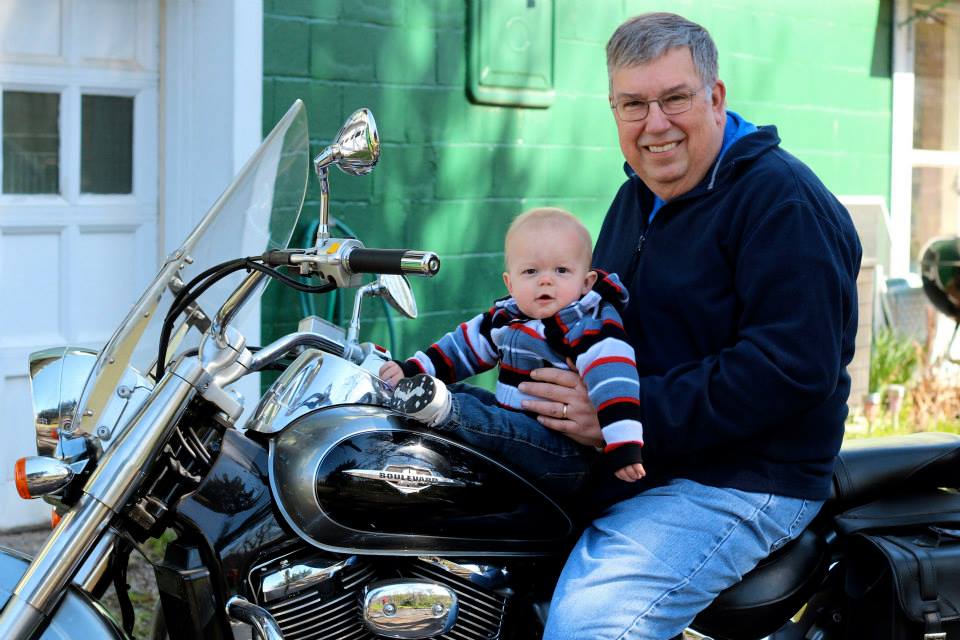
x,y
588,331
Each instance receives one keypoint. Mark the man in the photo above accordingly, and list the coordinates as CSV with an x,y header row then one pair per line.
x,y
741,269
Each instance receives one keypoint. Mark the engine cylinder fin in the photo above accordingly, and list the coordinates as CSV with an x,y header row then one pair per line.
x,y
332,617
312,615
471,597
317,614
329,629
306,601
323,629
463,587
481,612
357,578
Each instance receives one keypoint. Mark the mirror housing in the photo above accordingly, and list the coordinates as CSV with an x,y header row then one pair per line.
x,y
396,290
356,147
356,150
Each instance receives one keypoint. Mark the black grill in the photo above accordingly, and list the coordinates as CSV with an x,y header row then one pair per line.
x,y
316,614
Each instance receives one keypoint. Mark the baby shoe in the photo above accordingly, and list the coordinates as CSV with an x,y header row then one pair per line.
x,y
423,398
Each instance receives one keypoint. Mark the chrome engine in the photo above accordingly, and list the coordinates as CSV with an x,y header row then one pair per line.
x,y
321,596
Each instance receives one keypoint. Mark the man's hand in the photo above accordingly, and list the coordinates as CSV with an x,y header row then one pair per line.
x,y
631,472
565,407
391,373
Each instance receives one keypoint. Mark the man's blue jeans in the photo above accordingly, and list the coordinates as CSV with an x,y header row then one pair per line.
x,y
650,563
550,460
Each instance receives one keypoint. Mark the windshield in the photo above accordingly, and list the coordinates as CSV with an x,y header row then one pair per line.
x,y
256,213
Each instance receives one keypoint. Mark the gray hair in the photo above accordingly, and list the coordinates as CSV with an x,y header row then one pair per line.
x,y
646,37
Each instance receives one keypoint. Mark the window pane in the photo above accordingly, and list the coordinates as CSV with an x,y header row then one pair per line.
x,y
937,75
31,142
936,206
106,147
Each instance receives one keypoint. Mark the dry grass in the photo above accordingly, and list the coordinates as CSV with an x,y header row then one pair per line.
x,y
935,397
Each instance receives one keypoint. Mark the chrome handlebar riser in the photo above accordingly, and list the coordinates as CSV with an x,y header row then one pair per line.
x,y
275,350
237,299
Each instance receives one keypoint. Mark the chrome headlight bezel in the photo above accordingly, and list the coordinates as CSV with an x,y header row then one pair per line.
x,y
57,378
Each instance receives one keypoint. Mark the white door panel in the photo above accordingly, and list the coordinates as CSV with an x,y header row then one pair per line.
x,y
31,260
72,263
31,29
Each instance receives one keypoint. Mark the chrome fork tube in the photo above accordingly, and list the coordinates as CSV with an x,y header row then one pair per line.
x,y
124,467
118,475
46,578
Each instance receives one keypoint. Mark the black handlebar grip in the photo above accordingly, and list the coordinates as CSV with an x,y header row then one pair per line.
x,y
399,261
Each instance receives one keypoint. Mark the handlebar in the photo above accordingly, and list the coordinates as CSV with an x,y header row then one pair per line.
x,y
393,261
342,261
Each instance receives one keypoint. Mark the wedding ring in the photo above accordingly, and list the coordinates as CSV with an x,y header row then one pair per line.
x,y
564,413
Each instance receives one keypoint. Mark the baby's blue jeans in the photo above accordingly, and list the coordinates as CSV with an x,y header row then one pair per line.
x,y
550,460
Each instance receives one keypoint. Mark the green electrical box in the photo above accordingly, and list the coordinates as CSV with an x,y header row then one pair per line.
x,y
511,45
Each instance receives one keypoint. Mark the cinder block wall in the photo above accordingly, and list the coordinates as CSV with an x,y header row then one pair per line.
x,y
453,173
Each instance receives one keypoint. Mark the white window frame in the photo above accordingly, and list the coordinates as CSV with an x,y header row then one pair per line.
x,y
904,157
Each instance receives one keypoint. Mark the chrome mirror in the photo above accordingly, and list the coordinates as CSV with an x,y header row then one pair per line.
x,y
355,150
395,289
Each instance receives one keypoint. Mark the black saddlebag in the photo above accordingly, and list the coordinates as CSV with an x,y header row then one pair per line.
x,y
903,582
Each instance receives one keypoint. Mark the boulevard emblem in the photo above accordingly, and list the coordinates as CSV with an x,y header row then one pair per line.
x,y
406,478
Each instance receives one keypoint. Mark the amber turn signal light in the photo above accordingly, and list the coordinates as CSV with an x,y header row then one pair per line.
x,y
54,519
20,478
40,476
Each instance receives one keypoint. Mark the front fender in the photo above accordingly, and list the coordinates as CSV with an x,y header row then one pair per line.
x,y
77,616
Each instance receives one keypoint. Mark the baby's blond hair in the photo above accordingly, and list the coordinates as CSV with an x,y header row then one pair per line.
x,y
549,216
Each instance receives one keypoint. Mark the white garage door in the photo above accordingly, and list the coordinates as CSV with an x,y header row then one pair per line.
x,y
78,197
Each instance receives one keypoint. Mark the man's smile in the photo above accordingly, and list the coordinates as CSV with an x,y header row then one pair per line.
x,y
667,146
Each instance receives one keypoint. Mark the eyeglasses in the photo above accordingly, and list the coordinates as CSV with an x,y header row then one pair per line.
x,y
631,110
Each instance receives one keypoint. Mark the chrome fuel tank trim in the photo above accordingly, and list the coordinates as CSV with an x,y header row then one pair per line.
x,y
313,381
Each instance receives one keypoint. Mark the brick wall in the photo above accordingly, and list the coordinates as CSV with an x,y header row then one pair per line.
x,y
453,173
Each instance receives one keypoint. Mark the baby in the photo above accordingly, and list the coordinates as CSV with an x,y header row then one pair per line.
x,y
558,310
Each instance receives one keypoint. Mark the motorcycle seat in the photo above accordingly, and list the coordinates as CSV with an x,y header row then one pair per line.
x,y
870,468
772,592
865,469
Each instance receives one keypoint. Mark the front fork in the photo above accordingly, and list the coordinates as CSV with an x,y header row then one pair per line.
x,y
119,474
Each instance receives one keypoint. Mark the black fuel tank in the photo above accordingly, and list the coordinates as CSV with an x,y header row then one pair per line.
x,y
359,478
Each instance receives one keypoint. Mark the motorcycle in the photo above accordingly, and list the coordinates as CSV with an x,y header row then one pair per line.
x,y
321,513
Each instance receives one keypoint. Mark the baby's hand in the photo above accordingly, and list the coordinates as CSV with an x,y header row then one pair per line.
x,y
631,472
391,373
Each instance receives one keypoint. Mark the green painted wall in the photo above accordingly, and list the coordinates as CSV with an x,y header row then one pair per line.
x,y
453,174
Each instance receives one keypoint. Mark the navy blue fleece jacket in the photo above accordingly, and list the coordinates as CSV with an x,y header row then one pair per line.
x,y
743,316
